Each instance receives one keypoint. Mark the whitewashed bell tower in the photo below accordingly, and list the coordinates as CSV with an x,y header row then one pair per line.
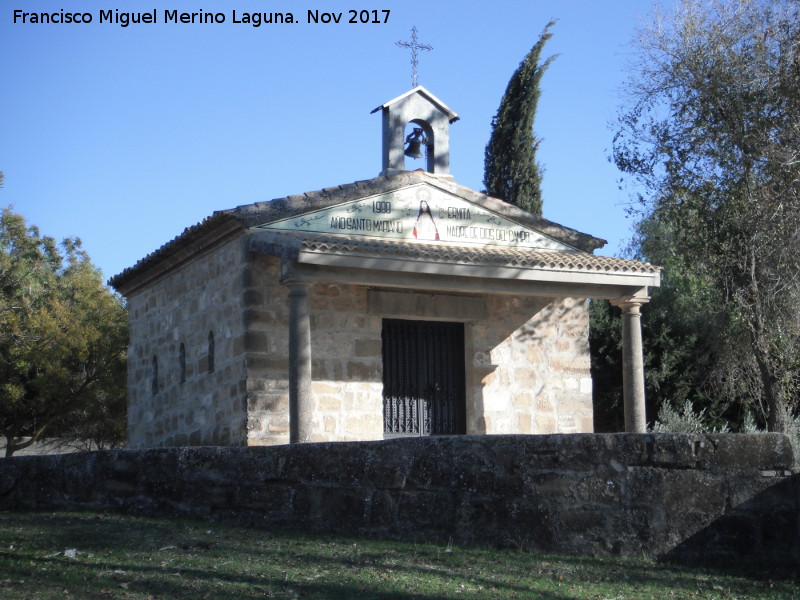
x,y
424,111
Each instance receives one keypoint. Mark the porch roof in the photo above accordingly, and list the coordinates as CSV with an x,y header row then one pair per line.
x,y
489,268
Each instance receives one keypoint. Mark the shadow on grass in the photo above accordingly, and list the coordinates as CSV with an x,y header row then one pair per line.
x,y
141,558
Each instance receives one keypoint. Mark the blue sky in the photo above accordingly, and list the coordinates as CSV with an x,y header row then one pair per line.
x,y
124,136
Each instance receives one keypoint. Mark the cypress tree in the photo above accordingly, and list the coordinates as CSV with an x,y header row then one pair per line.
x,y
511,171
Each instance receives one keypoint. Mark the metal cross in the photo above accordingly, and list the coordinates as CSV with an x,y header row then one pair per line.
x,y
414,45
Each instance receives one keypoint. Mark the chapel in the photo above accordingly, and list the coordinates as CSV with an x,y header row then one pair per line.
x,y
402,305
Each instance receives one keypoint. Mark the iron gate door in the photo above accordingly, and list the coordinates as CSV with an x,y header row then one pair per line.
x,y
423,378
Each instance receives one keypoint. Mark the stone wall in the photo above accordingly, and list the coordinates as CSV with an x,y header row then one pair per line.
x,y
177,396
266,314
347,365
719,498
530,367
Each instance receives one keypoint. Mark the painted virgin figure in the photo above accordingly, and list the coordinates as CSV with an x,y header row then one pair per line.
x,y
425,227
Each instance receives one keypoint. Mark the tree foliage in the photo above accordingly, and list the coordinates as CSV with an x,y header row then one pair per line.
x,y
511,171
676,333
712,137
63,339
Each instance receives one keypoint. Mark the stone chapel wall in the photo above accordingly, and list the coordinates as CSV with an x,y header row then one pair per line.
x,y
184,389
530,367
346,360
347,365
266,343
527,359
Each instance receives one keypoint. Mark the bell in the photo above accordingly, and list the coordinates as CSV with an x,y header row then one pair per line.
x,y
413,150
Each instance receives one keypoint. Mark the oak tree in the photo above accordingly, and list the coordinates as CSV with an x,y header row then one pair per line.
x,y
711,137
63,338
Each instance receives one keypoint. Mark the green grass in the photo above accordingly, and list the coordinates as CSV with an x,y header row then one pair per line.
x,y
87,556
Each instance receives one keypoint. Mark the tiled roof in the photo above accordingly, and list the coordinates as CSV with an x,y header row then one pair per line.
x,y
207,232
524,258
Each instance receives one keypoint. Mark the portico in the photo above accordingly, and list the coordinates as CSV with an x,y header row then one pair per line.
x,y
389,268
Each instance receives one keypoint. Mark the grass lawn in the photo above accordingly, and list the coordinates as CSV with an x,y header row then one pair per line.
x,y
90,556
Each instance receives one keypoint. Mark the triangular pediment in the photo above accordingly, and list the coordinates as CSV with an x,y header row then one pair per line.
x,y
418,213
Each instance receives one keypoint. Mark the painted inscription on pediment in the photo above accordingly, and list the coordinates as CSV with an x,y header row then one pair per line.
x,y
419,213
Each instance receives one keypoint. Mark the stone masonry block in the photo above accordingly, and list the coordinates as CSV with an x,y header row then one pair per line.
x,y
329,403
363,371
367,348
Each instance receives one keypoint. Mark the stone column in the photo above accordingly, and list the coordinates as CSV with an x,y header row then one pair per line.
x,y
633,364
300,402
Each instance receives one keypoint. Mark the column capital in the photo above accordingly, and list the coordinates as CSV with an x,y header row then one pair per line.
x,y
294,274
297,288
630,304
